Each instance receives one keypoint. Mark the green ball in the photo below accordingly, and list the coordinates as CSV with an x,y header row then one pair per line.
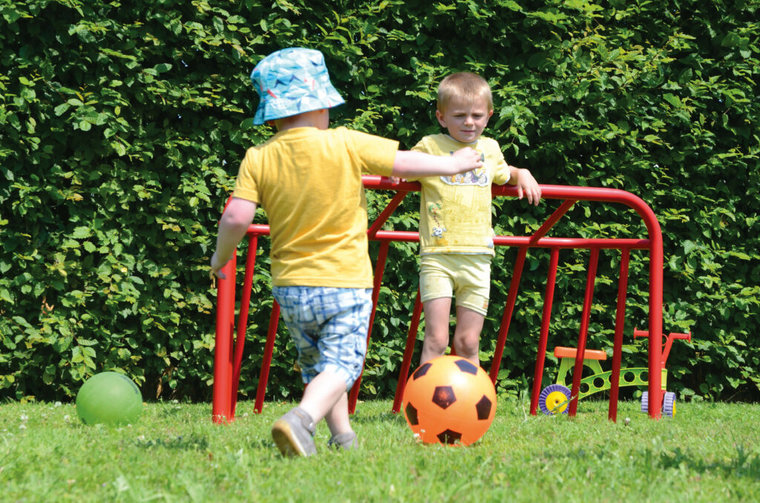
x,y
109,398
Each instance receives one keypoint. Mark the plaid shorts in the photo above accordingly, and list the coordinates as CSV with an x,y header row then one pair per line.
x,y
328,327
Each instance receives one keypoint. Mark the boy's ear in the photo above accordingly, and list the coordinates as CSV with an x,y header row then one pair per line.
x,y
439,116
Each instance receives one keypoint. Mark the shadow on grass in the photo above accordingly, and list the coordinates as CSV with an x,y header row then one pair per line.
x,y
742,465
190,443
377,417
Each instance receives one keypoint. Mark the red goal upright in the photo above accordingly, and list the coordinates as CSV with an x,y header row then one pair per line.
x,y
231,329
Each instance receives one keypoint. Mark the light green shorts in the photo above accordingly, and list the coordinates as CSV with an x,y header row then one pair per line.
x,y
465,277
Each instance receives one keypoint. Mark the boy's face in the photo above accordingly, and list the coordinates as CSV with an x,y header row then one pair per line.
x,y
465,120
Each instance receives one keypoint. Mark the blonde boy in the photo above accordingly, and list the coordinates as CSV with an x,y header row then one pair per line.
x,y
308,179
456,237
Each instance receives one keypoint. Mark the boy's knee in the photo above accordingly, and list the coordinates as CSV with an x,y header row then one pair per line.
x,y
436,342
468,352
467,344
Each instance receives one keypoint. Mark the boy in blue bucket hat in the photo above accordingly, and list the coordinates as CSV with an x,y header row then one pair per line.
x,y
307,177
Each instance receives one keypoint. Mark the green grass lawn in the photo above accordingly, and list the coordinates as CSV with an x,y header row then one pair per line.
x,y
708,452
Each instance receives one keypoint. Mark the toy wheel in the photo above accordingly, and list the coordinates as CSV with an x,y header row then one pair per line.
x,y
554,399
644,401
669,404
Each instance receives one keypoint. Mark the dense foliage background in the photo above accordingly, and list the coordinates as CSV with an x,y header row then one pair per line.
x,y
123,124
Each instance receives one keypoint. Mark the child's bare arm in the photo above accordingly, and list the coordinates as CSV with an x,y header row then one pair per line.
x,y
410,163
232,227
527,186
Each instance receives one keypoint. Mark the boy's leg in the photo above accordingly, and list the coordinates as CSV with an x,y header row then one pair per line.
x,y
337,419
436,290
437,312
467,334
472,294
322,398
329,328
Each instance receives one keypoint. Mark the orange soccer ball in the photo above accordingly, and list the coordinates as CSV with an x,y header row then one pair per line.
x,y
449,400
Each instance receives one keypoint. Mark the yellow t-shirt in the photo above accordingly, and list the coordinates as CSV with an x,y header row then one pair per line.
x,y
309,183
455,211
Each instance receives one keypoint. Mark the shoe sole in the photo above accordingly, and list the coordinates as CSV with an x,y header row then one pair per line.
x,y
286,440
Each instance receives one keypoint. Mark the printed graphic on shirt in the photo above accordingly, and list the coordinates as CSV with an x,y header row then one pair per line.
x,y
477,176
434,209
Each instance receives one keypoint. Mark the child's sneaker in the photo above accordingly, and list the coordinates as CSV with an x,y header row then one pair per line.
x,y
346,441
293,433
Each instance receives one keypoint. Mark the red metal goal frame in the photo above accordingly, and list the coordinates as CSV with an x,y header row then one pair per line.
x,y
230,331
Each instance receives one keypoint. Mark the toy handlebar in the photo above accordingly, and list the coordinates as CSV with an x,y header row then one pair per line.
x,y
668,341
670,336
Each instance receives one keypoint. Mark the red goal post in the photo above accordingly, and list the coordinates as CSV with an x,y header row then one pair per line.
x,y
231,328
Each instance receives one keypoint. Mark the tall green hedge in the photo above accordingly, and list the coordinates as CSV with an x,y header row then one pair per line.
x,y
123,124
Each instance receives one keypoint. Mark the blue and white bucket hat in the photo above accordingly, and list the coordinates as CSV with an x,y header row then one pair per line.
x,y
292,81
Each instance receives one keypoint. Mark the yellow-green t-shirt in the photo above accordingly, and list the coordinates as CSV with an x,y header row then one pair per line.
x,y
455,211
309,183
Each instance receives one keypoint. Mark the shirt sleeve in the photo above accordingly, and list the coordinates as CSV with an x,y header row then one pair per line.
x,y
375,153
245,183
501,173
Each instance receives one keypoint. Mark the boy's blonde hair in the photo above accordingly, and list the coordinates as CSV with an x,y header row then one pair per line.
x,y
463,85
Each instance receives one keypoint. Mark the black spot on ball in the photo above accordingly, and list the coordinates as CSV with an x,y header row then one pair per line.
x,y
411,414
443,396
421,371
467,366
449,437
483,407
